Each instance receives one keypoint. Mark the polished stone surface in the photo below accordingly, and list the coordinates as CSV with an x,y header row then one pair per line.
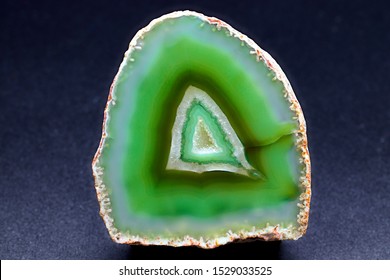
x,y
158,179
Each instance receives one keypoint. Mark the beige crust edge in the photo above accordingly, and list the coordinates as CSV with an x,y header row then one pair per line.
x,y
271,232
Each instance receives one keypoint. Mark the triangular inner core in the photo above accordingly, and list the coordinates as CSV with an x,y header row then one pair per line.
x,y
203,141
203,138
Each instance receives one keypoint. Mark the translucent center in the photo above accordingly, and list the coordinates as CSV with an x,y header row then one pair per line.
x,y
203,141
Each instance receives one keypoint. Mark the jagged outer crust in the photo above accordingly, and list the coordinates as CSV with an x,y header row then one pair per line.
x,y
269,233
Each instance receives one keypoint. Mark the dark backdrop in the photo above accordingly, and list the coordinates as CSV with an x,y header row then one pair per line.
x,y
58,59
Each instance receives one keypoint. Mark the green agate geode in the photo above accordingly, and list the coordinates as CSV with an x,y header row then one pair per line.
x,y
204,141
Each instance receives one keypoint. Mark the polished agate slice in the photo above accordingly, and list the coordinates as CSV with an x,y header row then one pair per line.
x,y
204,141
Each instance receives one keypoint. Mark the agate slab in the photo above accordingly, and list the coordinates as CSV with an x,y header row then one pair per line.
x,y
204,142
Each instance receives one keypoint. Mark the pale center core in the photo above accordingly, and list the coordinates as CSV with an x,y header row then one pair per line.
x,y
203,141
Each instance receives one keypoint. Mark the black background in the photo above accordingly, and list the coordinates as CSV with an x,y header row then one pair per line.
x,y
58,60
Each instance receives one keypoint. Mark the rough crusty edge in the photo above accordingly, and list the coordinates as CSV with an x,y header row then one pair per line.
x,y
271,232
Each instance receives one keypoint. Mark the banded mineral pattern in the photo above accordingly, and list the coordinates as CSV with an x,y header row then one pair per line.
x,y
204,141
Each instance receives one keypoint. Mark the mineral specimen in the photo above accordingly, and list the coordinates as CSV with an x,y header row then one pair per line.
x,y
203,142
